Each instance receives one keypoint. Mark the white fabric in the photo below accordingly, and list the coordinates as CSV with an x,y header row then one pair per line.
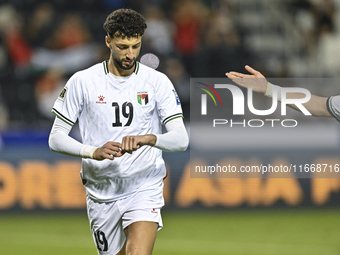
x,y
60,141
120,79
108,111
271,88
87,151
176,137
108,220
333,106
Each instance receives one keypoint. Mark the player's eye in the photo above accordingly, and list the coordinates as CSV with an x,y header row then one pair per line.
x,y
121,47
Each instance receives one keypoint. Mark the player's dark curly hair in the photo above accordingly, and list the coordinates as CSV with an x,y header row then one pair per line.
x,y
125,22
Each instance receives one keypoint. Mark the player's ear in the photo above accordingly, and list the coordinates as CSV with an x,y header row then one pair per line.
x,y
108,41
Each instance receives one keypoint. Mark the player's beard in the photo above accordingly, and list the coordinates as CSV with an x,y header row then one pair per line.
x,y
119,63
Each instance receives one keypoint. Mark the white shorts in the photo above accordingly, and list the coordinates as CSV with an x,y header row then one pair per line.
x,y
108,220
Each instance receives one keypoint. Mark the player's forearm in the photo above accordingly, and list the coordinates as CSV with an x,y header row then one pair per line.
x,y
317,106
59,141
176,138
64,144
151,140
172,141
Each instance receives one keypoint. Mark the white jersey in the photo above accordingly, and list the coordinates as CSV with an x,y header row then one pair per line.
x,y
107,111
333,106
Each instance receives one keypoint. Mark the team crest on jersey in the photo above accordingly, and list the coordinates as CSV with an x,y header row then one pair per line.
x,y
143,98
176,96
62,95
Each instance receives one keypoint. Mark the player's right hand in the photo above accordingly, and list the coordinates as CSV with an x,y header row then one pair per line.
x,y
110,150
255,80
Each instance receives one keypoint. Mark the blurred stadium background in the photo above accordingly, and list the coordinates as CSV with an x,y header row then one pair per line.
x,y
42,201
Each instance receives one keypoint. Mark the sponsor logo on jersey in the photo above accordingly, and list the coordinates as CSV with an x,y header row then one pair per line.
x,y
62,95
101,100
176,96
143,98
154,210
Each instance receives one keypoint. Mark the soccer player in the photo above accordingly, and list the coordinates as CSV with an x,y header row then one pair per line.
x,y
121,105
317,106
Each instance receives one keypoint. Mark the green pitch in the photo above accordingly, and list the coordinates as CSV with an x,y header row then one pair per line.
x,y
272,232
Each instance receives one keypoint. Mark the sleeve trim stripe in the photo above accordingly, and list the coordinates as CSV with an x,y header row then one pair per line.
x,y
63,118
331,110
177,115
173,119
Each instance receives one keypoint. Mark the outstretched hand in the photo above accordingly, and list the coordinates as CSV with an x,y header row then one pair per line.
x,y
255,80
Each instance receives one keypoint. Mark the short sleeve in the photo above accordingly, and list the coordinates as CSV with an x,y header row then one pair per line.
x,y
333,106
168,102
69,103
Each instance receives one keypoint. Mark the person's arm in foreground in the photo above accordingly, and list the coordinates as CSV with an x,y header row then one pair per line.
x,y
60,141
317,106
176,139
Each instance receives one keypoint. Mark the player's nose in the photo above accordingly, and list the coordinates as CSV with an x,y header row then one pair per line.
x,y
130,54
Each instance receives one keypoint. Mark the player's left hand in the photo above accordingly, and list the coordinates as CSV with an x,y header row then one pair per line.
x,y
133,143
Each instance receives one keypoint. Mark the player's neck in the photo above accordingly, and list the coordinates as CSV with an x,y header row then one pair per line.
x,y
116,70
